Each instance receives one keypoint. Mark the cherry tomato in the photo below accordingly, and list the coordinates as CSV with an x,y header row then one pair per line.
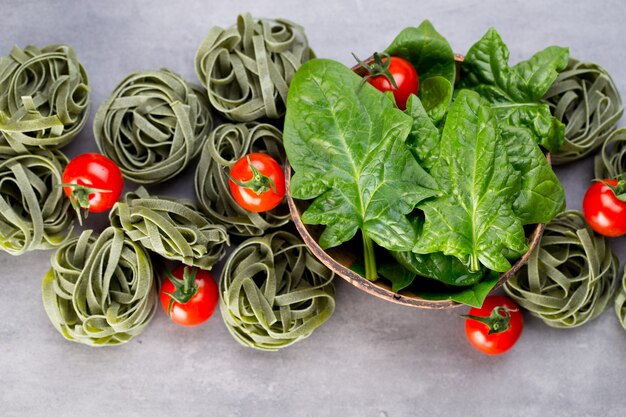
x,y
405,77
189,295
488,329
605,213
257,182
92,182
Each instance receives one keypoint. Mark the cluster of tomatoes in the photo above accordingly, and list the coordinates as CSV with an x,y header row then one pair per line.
x,y
94,183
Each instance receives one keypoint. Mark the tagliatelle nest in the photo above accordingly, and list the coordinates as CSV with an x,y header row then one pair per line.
x,y
611,160
34,211
44,97
248,67
569,279
100,291
585,98
227,144
153,125
620,301
173,229
274,292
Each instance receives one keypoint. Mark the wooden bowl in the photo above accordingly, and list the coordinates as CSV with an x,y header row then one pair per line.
x,y
339,259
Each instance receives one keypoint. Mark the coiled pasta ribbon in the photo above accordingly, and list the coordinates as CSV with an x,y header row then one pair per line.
x,y
274,292
173,229
153,125
34,212
586,99
248,67
569,279
226,144
620,301
100,291
44,97
611,160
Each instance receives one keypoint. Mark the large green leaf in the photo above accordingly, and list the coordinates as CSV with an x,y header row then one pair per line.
x,y
472,296
429,289
476,294
423,139
541,196
432,57
346,146
516,92
430,53
435,94
473,219
444,268
399,276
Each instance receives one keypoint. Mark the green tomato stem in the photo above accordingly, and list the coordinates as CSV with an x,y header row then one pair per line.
x,y
377,68
258,184
370,260
79,198
497,322
185,288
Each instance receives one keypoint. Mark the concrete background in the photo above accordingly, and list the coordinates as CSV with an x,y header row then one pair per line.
x,y
372,359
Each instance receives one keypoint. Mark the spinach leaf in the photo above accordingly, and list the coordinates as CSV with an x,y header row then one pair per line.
x,y
430,53
516,92
424,137
435,94
346,146
473,219
541,196
444,268
432,57
429,289
472,296
399,276
476,294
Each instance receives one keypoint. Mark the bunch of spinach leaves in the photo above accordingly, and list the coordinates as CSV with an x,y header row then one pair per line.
x,y
443,189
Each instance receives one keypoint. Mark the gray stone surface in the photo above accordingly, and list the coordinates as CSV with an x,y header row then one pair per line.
x,y
372,359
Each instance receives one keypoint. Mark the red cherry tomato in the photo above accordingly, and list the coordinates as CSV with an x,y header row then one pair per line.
x,y
93,182
405,77
257,182
189,295
477,332
605,213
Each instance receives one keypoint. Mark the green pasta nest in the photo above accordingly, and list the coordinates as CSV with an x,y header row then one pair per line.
x,y
44,97
620,301
153,125
569,279
227,144
248,67
585,98
611,160
173,229
34,212
100,291
274,292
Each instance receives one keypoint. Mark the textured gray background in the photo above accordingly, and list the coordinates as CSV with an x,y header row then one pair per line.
x,y
372,358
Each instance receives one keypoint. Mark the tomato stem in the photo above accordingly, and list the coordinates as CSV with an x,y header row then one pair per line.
x,y
79,197
619,190
258,184
186,288
497,322
377,68
370,259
